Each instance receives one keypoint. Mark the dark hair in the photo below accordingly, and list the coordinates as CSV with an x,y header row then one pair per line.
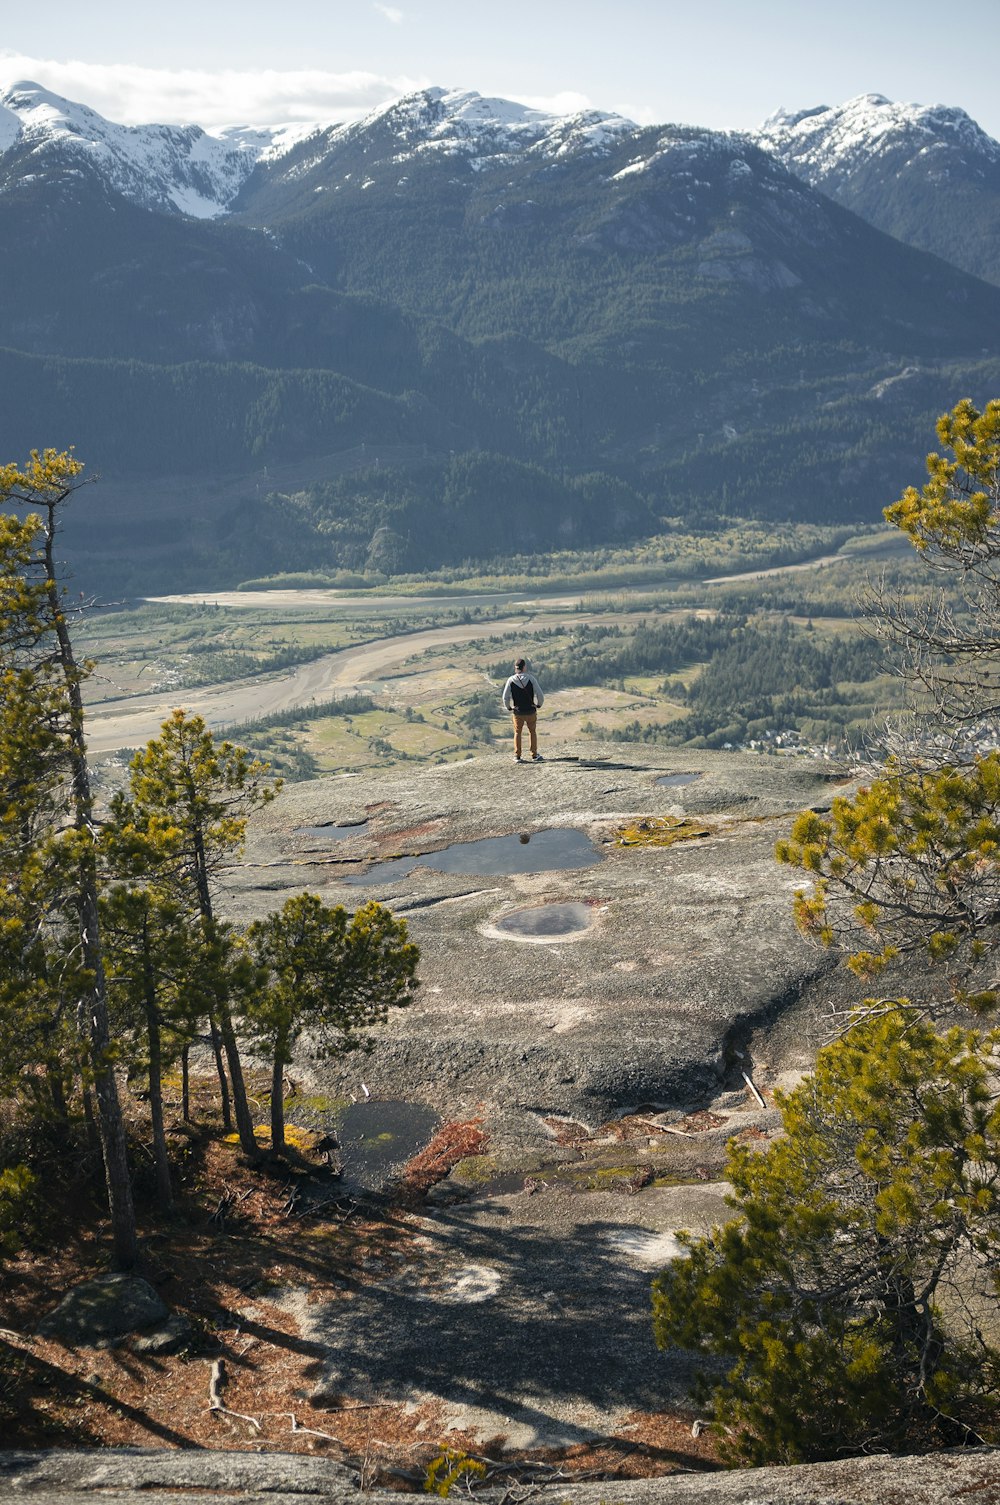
x,y
519,665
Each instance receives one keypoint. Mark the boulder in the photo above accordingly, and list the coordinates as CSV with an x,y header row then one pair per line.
x,y
101,1310
168,1337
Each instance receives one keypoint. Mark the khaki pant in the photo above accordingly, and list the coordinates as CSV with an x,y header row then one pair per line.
x,y
520,722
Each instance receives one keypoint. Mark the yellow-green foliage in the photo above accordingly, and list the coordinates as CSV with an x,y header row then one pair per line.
x,y
958,505
448,1467
19,1191
660,831
298,1139
821,1291
303,1102
478,1169
909,864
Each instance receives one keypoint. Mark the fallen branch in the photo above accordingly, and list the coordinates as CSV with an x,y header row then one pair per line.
x,y
666,1129
753,1089
216,1384
216,1380
312,1431
219,1215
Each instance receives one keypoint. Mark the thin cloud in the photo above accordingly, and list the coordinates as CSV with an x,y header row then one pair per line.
x,y
641,114
567,103
391,12
134,95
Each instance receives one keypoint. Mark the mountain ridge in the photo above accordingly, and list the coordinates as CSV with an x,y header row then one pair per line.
x,y
531,307
917,172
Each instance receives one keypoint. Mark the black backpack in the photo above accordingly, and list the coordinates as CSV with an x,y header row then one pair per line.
x,y
523,697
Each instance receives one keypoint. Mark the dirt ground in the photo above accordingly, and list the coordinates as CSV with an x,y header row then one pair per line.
x,y
253,1271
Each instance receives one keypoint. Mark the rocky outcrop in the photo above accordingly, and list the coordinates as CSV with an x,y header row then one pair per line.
x,y
691,946
147,1477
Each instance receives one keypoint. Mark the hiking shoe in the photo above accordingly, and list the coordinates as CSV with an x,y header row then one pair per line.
x,y
537,758
518,758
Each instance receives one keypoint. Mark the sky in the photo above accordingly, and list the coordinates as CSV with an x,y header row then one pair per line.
x,y
725,64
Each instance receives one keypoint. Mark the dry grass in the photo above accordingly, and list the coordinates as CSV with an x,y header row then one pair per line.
x,y
452,1142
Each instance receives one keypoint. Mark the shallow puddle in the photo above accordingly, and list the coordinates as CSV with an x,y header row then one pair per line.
x,y
332,832
377,1138
556,850
547,921
675,780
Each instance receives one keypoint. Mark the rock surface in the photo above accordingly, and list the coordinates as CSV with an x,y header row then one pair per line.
x,y
523,1318
689,974
146,1477
104,1309
691,948
523,1309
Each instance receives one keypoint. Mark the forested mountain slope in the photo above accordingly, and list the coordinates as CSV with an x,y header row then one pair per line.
x,y
459,310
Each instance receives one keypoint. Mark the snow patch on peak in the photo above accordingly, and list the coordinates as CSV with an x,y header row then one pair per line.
x,y
783,119
39,110
10,127
828,143
485,130
178,168
267,143
474,109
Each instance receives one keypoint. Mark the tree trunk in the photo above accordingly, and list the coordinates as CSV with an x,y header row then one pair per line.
x,y
90,1119
186,1084
163,1187
244,1122
220,1066
57,1090
111,1122
278,1101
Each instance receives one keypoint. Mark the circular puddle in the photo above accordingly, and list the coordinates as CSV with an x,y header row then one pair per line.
x,y
547,922
676,780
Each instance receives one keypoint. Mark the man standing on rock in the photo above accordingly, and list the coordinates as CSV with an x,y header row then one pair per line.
x,y
522,695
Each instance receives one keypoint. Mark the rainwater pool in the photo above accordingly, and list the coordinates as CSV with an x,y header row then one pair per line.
x,y
556,850
547,921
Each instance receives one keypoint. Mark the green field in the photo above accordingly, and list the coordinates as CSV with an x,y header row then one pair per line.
x,y
774,660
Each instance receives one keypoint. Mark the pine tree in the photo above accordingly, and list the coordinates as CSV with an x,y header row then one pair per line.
x,y
321,971
187,803
47,824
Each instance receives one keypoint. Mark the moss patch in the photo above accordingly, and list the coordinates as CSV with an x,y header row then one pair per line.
x,y
661,831
305,1104
475,1170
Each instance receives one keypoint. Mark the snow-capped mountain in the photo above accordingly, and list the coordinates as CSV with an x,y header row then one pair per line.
x,y
599,319
184,169
166,167
490,131
897,165
927,174
826,145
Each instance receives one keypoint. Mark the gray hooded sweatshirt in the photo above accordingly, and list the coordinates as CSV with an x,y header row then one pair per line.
x,y
523,687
